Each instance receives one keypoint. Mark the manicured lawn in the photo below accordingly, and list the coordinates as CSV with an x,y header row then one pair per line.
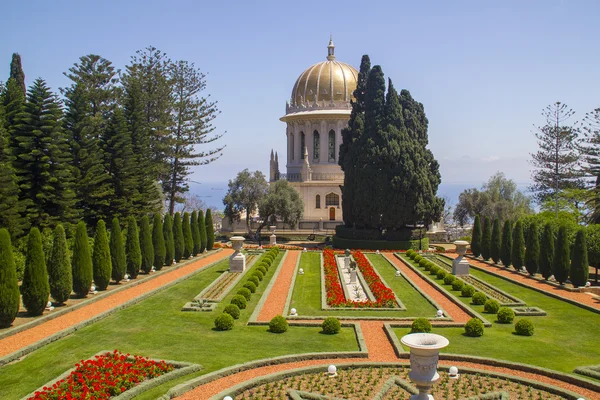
x,y
157,328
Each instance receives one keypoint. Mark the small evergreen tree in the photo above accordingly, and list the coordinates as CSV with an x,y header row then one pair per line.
x,y
195,232
546,260
35,288
146,245
60,274
580,267
117,251
506,252
562,259
101,261
210,231
178,237
532,251
476,237
82,262
169,240
202,230
158,242
486,239
133,249
9,284
188,240
496,241
518,248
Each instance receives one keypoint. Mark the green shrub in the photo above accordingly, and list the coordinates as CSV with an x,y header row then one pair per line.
x,y
467,291
35,288
433,269
479,298
101,263
491,306
195,232
232,310
239,301
477,237
546,260
224,322
418,258
133,251
518,246
250,286
264,265
188,240
178,237
117,251
169,239
409,253
258,274
532,249
420,325
496,241
19,258
158,243
474,328
580,267
245,292
262,270
524,327
424,263
254,280
9,284
506,249
449,279
506,315
441,274
457,284
562,259
82,260
210,231
202,230
331,325
278,324
60,274
486,239
146,245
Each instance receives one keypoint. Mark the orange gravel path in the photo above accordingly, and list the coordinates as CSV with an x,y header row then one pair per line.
x,y
378,345
30,336
275,303
454,311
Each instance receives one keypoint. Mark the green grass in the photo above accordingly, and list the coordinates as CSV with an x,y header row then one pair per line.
x,y
157,328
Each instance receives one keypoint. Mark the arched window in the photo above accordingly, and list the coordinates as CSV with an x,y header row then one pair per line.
x,y
316,141
292,140
318,201
331,147
302,144
332,199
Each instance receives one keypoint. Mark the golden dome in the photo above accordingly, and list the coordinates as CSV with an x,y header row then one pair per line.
x,y
325,84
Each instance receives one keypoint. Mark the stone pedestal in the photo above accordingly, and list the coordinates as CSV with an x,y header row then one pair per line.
x,y
237,261
347,263
460,265
424,356
273,238
353,276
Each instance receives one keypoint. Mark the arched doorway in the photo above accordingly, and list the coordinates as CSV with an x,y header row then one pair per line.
x,y
332,213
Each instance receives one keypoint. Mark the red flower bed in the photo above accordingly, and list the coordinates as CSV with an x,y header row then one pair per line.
x,y
384,295
104,376
333,287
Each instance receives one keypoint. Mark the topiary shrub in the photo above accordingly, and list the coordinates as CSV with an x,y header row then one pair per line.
x,y
449,279
250,286
117,251
262,269
239,301
232,310
195,232
479,298
82,259
424,263
418,258
467,291
331,326
9,284
409,253
254,280
474,328
169,239
178,237
101,262
258,274
245,292
188,240
224,322
420,325
441,274
210,230
202,230
506,315
524,327
263,265
133,251
35,289
60,273
158,243
433,269
278,324
457,284
491,306
146,245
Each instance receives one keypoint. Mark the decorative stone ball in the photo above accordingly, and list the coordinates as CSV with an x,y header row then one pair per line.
x,y
376,251
397,273
153,269
126,276
439,313
92,288
293,312
304,249
49,304
227,398
301,271
332,370
588,284
453,372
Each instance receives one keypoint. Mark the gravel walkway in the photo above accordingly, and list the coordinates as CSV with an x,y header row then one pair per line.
x,y
30,336
275,303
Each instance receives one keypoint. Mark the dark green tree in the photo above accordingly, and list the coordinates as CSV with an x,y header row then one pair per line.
x,y
16,72
245,193
546,260
496,249
146,245
202,230
590,150
13,100
188,240
507,244
169,240
195,232
486,239
210,230
476,237
158,242
35,288
117,251
178,237
9,284
60,273
82,262
580,267
518,248
532,250
562,257
282,203
133,249
101,260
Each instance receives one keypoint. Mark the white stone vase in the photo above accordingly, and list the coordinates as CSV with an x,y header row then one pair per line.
x,y
460,265
237,262
424,356
272,238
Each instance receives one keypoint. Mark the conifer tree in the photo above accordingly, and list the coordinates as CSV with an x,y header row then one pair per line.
x,y
188,241
10,207
580,267
202,230
518,248
16,72
532,250
178,237
562,258
146,245
169,240
546,260
82,262
35,288
507,244
195,232
101,260
486,239
13,100
210,231
117,251
60,273
133,249
496,241
476,237
9,284
158,242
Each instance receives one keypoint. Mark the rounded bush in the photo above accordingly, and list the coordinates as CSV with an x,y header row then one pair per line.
x,y
418,258
467,291
441,274
258,274
449,279
433,269
331,325
457,284
278,324
491,306
250,286
424,263
474,328
524,327
254,280
506,315
245,292
479,298
262,269
264,265
420,325
224,322
239,301
232,310
410,252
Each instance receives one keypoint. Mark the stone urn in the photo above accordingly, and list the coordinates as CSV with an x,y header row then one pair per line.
x,y
272,238
237,262
460,266
424,356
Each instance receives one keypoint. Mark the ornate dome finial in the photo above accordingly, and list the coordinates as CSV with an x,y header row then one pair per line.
x,y
330,49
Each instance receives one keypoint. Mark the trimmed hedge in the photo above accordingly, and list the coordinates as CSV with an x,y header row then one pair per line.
x,y
506,315
524,327
278,324
224,322
474,328
258,274
420,325
232,310
343,243
331,326
254,280
239,301
250,286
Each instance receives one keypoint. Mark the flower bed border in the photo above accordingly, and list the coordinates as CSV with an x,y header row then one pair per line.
x,y
593,371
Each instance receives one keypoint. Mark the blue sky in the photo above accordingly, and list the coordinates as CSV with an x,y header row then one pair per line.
x,y
483,70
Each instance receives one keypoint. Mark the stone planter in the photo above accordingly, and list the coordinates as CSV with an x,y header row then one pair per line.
x,y
424,356
272,238
237,262
460,265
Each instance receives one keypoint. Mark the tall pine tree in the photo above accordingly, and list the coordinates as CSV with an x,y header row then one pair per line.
x,y
158,242
16,72
169,240
35,288
546,260
60,273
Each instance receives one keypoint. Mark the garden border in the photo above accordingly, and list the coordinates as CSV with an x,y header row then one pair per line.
x,y
593,371
253,320
231,285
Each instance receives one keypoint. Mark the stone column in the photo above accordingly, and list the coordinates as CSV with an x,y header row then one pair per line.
x,y
237,262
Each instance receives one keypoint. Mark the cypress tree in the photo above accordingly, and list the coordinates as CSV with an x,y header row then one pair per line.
x,y
506,252
82,262
496,241
546,260
35,288
476,237
169,240
117,251
9,284
16,72
202,230
532,250
486,239
60,274
518,248
101,260
562,258
146,245
210,231
158,242
188,240
178,237
195,232
580,267
133,250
